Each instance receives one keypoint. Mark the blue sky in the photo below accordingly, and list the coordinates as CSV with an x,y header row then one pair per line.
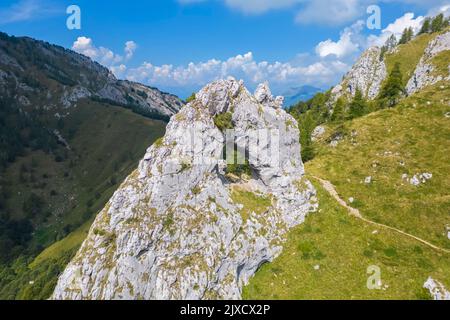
x,y
180,45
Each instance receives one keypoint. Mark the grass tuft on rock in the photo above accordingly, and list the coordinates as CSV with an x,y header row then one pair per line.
x,y
224,121
251,202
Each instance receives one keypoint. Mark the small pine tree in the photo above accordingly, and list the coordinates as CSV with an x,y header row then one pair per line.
x,y
404,36
339,110
393,88
438,23
410,34
407,36
358,107
390,44
307,126
384,49
426,26
446,23
308,152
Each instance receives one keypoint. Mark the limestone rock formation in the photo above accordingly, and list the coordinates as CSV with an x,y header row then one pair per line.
x,y
437,289
426,73
367,75
317,133
178,228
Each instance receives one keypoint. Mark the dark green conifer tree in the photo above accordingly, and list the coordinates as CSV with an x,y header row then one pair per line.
x,y
426,27
393,88
358,107
339,110
438,23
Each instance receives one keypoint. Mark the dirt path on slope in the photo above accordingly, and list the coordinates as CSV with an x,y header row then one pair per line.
x,y
330,188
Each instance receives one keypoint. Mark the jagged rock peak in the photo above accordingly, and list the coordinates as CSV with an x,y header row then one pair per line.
x,y
367,75
180,226
218,95
264,95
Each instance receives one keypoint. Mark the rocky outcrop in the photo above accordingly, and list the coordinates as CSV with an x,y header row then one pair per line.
x,y
367,75
317,133
426,73
437,289
178,228
417,179
71,96
147,99
151,99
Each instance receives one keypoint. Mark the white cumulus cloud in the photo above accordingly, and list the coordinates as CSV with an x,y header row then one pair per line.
x,y
119,71
445,9
242,66
348,44
105,56
332,58
130,48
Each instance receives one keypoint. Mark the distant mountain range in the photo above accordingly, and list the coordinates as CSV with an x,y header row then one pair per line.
x,y
297,94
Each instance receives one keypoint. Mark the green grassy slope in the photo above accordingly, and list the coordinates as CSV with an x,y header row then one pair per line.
x,y
344,248
412,138
106,144
408,55
386,145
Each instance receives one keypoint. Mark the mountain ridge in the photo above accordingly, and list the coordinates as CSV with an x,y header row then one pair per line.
x,y
76,77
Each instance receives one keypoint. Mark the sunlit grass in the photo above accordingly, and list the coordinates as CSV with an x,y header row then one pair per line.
x,y
412,138
327,257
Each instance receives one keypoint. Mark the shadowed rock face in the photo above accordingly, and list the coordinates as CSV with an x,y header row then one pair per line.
x,y
175,228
